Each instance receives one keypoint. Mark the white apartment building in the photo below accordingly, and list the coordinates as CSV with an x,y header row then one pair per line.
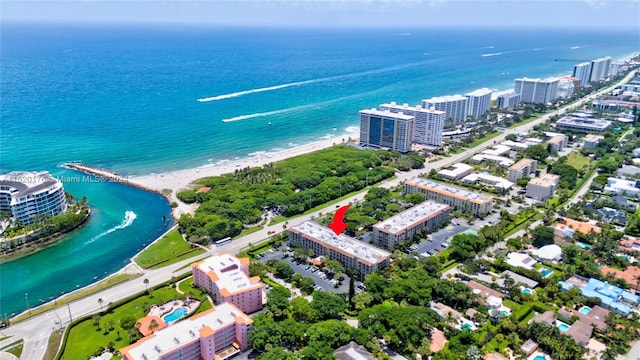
x,y
583,125
557,144
622,187
536,91
428,124
454,107
386,130
352,253
600,69
488,180
508,100
405,225
523,168
29,194
582,71
456,171
591,141
478,102
460,199
542,188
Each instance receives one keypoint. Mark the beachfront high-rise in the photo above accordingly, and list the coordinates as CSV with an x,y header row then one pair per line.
x,y
600,69
214,334
29,194
386,130
454,107
428,124
478,102
536,91
226,279
352,253
582,71
508,100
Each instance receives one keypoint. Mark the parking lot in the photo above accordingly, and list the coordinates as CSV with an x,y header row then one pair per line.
x,y
433,244
321,280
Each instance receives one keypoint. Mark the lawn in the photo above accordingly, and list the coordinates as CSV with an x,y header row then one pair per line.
x,y
85,338
99,286
169,249
483,139
577,160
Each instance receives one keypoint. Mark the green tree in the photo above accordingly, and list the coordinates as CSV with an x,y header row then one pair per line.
x,y
265,332
327,305
277,353
302,311
538,152
278,301
542,235
334,266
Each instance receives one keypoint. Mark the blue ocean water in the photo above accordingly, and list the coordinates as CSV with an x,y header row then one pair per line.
x,y
126,98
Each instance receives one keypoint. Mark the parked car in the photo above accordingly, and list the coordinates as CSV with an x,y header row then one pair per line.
x,y
436,249
444,245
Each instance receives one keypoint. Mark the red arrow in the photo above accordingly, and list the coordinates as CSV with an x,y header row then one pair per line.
x,y
338,225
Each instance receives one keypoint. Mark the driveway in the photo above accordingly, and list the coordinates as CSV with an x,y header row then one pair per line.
x,y
324,283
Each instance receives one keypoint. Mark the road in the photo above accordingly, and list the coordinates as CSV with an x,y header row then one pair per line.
x,y
36,330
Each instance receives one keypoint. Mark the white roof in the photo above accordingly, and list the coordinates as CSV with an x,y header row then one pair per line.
x,y
411,216
521,260
452,190
229,272
549,252
344,243
479,92
497,150
447,98
456,170
503,161
387,114
495,181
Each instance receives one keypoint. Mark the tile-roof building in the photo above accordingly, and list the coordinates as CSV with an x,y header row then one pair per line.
x,y
226,279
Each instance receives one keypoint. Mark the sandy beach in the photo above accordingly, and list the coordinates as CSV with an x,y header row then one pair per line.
x,y
182,179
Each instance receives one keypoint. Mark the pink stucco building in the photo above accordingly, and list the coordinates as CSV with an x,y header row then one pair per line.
x,y
215,334
226,279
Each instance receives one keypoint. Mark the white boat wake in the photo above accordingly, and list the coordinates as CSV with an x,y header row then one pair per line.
x,y
129,217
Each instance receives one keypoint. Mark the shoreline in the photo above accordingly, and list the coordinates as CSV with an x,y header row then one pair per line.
x,y
183,179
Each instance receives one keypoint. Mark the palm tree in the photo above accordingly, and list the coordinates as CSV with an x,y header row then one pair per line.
x,y
153,325
100,301
146,284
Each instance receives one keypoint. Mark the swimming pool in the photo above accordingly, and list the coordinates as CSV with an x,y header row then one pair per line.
x,y
175,315
527,291
562,326
545,272
583,245
585,310
540,357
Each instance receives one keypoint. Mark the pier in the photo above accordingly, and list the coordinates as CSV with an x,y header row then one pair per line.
x,y
103,175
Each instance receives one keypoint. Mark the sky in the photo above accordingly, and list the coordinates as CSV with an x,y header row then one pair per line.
x,y
334,13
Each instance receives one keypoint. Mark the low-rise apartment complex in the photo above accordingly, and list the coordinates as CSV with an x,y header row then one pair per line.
x,y
523,168
557,144
582,125
226,279
353,254
456,171
215,334
405,225
460,199
543,188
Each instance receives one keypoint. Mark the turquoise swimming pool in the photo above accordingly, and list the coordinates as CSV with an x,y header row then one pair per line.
x,y
563,327
545,272
585,310
540,357
527,291
176,314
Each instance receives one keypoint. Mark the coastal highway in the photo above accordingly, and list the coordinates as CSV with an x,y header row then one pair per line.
x,y
36,330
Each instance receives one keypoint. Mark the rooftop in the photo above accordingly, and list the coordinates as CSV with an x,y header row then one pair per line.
x,y
387,114
557,139
480,92
593,137
495,181
353,351
484,291
579,226
24,183
584,122
522,164
545,180
450,190
412,216
503,161
342,243
446,98
456,170
497,150
226,271
417,108
186,331
520,260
